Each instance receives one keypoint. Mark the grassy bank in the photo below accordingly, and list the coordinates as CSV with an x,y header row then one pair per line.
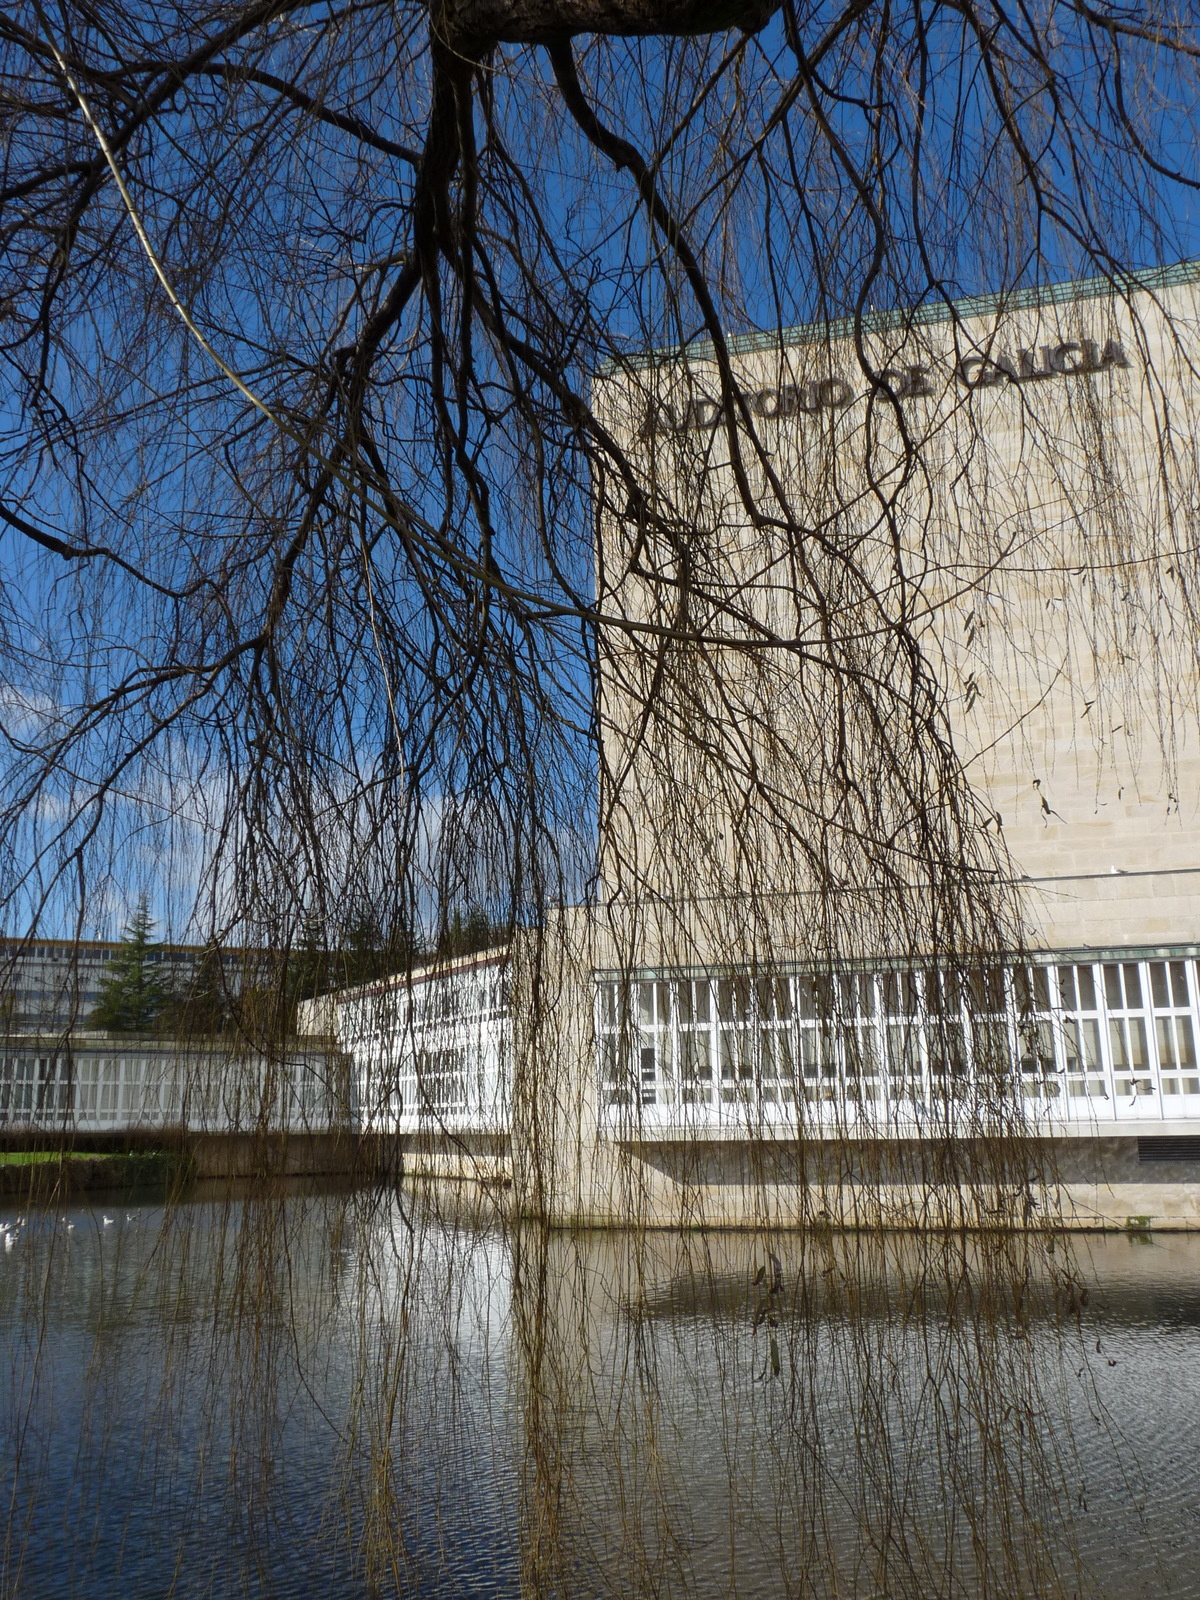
x,y
34,1173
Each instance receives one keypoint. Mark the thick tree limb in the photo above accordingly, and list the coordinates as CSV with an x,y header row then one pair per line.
x,y
474,25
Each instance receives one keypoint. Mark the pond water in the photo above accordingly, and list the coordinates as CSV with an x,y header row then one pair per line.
x,y
347,1394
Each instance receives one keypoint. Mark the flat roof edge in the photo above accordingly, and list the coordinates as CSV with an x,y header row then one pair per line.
x,y
799,967
928,313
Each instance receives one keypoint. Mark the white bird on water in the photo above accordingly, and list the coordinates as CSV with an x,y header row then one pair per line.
x,y
108,1222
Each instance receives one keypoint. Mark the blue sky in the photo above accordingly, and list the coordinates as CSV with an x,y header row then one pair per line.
x,y
191,484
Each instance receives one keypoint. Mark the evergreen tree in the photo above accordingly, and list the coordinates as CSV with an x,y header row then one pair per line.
x,y
364,953
463,936
369,950
133,994
204,1008
308,965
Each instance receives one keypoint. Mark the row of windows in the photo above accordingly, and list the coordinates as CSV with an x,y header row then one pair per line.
x,y
472,1000
132,1088
50,1086
52,997
449,1062
65,952
450,1073
437,1087
1108,1031
34,1087
81,958
1124,986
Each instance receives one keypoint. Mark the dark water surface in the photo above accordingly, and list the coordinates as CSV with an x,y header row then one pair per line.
x,y
342,1395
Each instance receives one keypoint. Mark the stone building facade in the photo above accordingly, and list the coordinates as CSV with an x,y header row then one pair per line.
x,y
731,1036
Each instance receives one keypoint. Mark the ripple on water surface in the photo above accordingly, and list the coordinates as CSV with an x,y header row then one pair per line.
x,y
338,1395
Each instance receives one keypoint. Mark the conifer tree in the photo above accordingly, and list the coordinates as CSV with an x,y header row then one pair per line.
x,y
204,1007
133,994
463,936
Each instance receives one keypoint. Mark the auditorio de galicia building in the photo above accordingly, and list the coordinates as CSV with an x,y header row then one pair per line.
x,y
717,1040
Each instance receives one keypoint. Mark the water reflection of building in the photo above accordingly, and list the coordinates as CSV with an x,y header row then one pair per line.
x,y
692,1057
718,1414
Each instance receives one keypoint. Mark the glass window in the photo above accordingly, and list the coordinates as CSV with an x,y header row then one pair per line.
x,y
862,1062
993,1047
737,1065
985,989
664,993
904,1047
86,1084
775,999
1041,987
1081,1050
857,995
695,1057
1168,983
806,998
109,1085
1037,1047
808,1052
733,999
1077,988
1122,986
608,1005
1031,987
645,1004
900,994
1081,1038
943,992
947,1047
648,1065
777,1066
1176,1043
1127,1040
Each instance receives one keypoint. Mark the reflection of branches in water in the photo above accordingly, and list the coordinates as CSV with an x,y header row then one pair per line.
x,y
592,1414
423,614
847,1440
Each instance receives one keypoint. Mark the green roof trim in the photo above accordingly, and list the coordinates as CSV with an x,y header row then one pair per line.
x,y
1068,292
1075,955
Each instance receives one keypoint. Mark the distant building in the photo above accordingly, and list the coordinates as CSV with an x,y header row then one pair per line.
x,y
104,1084
58,1074
50,986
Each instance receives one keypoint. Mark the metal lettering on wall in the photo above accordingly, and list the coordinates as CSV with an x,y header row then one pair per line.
x,y
1070,358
